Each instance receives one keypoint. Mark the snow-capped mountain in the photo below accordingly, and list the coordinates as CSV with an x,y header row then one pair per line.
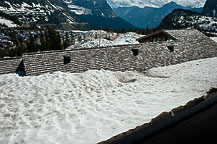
x,y
154,3
151,17
97,13
187,19
64,14
90,7
40,12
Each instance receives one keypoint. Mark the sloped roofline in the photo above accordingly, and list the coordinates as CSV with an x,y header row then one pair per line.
x,y
167,121
155,33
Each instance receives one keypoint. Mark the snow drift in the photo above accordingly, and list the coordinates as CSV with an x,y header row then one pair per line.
x,y
95,105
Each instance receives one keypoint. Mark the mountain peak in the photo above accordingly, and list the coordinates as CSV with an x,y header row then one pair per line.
x,y
90,7
180,18
151,17
154,3
171,3
65,14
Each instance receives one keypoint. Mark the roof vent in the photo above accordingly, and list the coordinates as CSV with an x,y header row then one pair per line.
x,y
135,52
66,59
171,48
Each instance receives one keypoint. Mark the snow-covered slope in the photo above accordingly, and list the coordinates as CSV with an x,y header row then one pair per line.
x,y
214,38
90,7
102,39
65,14
7,22
154,3
44,12
86,108
37,10
98,14
188,19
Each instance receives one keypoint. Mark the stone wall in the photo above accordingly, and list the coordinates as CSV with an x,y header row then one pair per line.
x,y
9,65
121,58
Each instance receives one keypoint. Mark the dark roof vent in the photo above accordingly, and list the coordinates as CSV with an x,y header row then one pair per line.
x,y
135,52
171,48
66,59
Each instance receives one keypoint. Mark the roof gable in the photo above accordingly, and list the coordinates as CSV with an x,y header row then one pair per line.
x,y
159,34
186,34
181,35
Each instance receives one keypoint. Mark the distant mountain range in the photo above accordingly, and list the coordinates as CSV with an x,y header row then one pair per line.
x,y
149,16
154,3
97,14
65,14
205,21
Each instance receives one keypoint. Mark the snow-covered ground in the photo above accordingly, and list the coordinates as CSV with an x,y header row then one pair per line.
x,y
214,38
8,23
102,39
89,107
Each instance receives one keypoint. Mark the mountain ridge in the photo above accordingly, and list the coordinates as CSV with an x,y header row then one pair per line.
x,y
180,18
210,8
151,17
154,3
63,14
99,14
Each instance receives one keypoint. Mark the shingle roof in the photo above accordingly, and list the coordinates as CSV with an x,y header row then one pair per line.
x,y
181,35
185,34
152,34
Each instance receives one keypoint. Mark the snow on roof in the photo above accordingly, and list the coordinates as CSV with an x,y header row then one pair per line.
x,y
93,106
214,38
165,121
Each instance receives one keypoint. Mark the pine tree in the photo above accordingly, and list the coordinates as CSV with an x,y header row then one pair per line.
x,y
21,49
43,42
54,40
66,41
11,52
14,37
31,46
46,45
